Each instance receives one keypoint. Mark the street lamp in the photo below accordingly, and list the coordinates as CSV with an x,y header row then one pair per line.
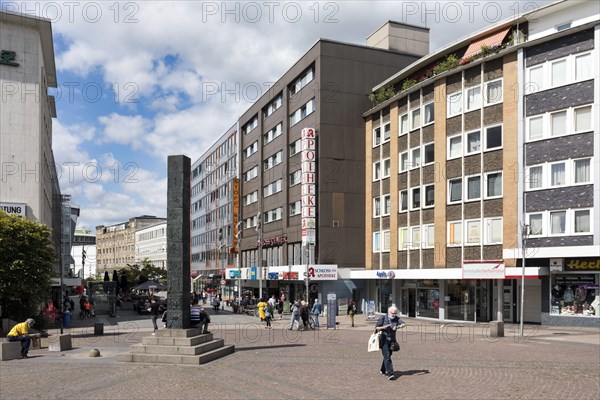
x,y
259,229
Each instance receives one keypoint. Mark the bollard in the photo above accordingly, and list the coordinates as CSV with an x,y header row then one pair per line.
x,y
98,328
497,329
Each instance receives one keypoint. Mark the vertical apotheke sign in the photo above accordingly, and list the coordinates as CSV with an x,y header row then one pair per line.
x,y
309,186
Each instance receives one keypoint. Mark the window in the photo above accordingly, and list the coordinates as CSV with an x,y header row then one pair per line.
x,y
454,233
272,188
493,231
253,148
386,205
454,147
428,113
428,236
493,137
473,142
582,171
376,207
302,112
415,237
386,241
376,136
253,123
386,132
403,124
295,177
429,195
473,187
415,158
415,198
473,98
473,234
558,71
536,79
403,162
273,133
302,80
295,147
251,174
583,67
558,176
536,128
274,105
493,184
403,200
493,92
582,221
402,239
455,190
272,161
558,123
376,171
536,225
251,198
558,222
295,208
415,118
376,242
428,154
535,177
386,168
583,119
454,104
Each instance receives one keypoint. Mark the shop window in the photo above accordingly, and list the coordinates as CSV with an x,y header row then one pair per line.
x,y
575,295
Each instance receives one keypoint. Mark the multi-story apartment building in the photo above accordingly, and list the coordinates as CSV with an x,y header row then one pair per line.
x,y
115,244
151,244
29,182
485,161
213,214
301,160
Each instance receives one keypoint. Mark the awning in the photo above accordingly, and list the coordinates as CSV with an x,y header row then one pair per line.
x,y
494,40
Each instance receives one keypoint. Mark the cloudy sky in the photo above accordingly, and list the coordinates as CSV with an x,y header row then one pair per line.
x,y
141,80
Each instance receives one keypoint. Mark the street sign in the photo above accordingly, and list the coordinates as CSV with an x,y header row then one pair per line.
x,y
223,282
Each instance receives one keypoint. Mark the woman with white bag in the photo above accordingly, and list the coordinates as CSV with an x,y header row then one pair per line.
x,y
387,325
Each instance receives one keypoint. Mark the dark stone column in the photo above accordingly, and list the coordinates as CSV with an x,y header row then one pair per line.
x,y
178,242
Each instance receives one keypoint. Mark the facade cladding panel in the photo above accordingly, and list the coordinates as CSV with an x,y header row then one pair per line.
x,y
336,117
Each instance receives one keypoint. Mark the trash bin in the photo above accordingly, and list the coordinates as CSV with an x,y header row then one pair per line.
x,y
67,319
98,328
497,329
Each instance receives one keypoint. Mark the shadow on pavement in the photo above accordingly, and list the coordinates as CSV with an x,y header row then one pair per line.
x,y
287,346
411,372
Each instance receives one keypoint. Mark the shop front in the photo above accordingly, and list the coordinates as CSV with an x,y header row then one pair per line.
x,y
573,297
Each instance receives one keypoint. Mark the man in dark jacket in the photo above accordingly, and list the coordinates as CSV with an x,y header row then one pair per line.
x,y
388,324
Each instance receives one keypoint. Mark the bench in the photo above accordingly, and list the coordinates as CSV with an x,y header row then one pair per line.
x,y
10,350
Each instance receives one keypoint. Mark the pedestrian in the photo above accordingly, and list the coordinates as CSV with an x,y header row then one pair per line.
x,y
352,310
261,309
316,311
216,304
304,314
388,324
199,316
272,301
194,297
20,333
280,309
268,314
295,318
154,310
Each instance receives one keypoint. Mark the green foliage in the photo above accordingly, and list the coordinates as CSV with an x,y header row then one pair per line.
x,y
26,259
408,83
449,63
383,94
486,51
143,272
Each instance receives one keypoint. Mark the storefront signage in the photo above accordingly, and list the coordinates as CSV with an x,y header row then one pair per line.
x,y
234,274
484,270
8,58
572,279
273,275
253,273
322,272
309,186
384,274
271,242
235,183
14,209
587,264
290,275
556,264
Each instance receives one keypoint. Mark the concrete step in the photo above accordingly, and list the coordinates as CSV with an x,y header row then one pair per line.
x,y
176,341
177,350
177,359
215,354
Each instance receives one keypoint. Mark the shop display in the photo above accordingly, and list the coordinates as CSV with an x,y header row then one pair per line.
x,y
575,294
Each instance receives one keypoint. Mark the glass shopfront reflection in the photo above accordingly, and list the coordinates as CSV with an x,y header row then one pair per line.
x,y
429,299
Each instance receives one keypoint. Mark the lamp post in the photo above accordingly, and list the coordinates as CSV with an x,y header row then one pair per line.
x,y
259,229
524,233
307,266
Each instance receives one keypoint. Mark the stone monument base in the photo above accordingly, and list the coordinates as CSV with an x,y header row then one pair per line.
x,y
177,346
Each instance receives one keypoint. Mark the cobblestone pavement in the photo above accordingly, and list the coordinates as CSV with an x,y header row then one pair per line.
x,y
436,361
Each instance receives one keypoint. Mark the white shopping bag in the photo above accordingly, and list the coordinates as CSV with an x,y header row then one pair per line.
x,y
373,344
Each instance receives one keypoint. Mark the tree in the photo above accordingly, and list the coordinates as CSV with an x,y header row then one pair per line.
x,y
26,259
143,272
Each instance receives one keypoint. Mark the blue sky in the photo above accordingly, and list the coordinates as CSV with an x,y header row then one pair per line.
x,y
139,81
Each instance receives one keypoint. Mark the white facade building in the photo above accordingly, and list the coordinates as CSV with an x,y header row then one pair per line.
x,y
151,243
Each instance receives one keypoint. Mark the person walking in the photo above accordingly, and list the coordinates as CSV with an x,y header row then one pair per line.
x,y
154,310
388,324
316,311
352,310
268,314
261,309
304,314
295,315
20,333
280,309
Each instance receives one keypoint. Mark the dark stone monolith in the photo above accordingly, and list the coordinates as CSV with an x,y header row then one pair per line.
x,y
178,242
